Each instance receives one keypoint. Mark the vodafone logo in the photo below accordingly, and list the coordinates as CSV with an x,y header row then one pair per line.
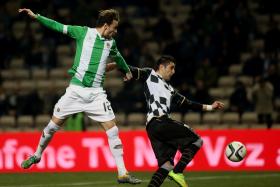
x,y
90,151
11,156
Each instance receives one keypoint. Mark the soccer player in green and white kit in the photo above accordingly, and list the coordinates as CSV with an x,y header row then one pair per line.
x,y
85,92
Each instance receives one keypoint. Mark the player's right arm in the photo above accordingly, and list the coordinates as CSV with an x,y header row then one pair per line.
x,y
137,73
140,73
72,31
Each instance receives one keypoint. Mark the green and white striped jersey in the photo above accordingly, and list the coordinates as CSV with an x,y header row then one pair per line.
x,y
92,52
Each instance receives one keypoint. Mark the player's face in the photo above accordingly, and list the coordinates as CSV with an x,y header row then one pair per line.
x,y
111,30
168,71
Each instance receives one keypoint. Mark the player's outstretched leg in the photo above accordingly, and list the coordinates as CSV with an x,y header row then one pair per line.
x,y
187,155
46,137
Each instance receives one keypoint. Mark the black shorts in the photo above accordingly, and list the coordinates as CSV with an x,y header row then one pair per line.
x,y
167,136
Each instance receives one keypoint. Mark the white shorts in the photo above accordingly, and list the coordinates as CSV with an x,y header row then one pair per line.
x,y
92,101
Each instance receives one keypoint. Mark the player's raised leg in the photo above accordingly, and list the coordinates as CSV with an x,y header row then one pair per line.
x,y
47,134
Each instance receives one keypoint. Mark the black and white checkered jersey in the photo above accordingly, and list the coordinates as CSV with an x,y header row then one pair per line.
x,y
159,94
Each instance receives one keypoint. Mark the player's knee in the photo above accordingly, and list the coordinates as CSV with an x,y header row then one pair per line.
x,y
198,143
51,128
167,166
108,125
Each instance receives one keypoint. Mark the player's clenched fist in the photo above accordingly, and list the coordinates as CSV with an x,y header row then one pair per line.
x,y
218,105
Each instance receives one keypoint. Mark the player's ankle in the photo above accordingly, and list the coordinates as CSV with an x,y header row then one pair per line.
x,y
38,156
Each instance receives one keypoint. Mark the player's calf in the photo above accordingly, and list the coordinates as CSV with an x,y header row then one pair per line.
x,y
188,154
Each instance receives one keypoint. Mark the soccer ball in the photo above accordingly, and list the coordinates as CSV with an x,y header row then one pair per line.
x,y
235,151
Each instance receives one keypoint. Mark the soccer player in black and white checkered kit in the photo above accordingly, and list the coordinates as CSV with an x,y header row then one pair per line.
x,y
167,135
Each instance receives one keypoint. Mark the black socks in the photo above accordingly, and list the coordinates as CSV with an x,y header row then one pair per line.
x,y
158,177
187,155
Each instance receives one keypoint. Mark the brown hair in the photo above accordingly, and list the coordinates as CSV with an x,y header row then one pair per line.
x,y
107,16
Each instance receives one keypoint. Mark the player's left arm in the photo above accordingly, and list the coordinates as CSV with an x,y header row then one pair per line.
x,y
120,62
180,100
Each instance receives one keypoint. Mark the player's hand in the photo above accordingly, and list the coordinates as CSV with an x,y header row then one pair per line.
x,y
28,12
111,66
218,105
127,76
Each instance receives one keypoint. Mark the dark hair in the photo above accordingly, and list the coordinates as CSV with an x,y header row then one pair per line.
x,y
165,60
107,16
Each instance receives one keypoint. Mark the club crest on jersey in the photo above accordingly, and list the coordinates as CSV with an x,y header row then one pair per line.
x,y
107,45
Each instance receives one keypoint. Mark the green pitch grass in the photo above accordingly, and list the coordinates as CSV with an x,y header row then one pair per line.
x,y
194,179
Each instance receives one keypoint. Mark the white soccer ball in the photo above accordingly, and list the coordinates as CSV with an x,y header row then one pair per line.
x,y
235,151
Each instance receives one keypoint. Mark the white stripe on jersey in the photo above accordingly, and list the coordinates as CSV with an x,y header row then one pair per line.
x,y
65,27
102,66
86,54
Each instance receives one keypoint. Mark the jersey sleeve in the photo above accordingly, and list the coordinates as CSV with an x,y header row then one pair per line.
x,y
116,55
76,32
180,100
72,31
141,74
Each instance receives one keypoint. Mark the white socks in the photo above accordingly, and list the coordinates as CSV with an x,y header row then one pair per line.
x,y
116,148
46,137
115,144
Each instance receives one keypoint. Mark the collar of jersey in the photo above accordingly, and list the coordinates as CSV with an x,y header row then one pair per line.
x,y
101,38
159,76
